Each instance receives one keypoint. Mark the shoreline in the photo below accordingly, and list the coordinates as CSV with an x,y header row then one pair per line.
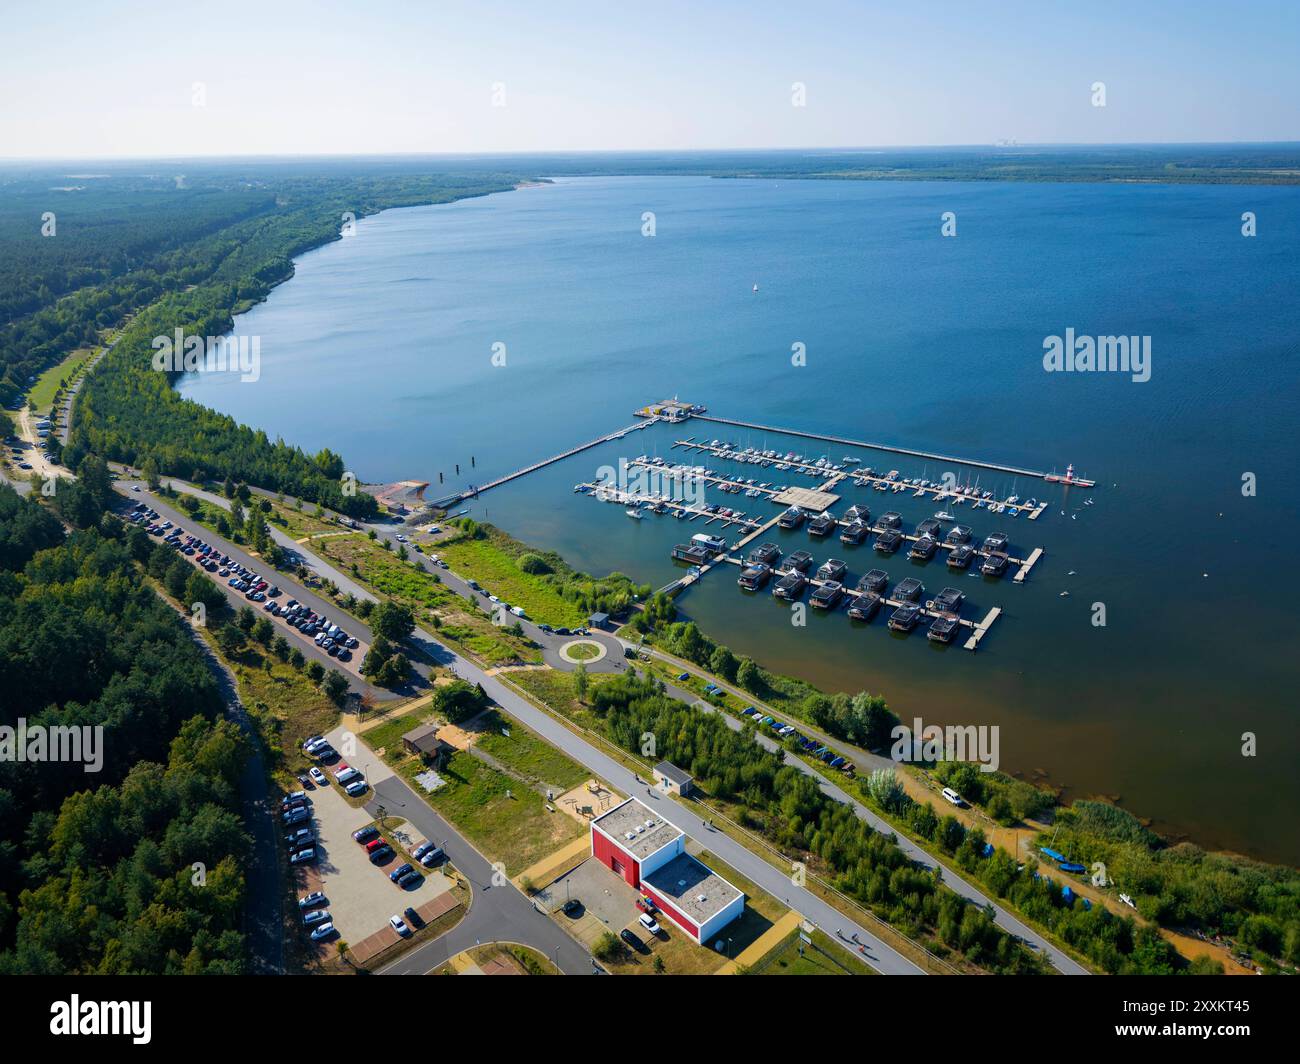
x,y
1171,833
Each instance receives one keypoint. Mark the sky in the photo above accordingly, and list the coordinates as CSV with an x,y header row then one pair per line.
x,y
84,79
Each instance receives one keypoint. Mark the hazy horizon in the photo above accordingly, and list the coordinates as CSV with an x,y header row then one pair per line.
x,y
140,81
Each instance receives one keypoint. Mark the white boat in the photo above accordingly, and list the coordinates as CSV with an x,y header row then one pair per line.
x,y
944,515
755,288
634,513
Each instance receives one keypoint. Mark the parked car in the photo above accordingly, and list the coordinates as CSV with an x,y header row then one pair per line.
x,y
631,939
413,918
357,788
648,922
306,856
399,925
382,854
421,850
432,857
315,916
322,931
317,775
409,879
374,844
314,900
400,871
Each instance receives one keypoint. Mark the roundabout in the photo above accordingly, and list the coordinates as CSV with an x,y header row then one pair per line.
x,y
582,651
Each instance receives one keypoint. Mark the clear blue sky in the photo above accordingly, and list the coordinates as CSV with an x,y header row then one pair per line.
x,y
282,76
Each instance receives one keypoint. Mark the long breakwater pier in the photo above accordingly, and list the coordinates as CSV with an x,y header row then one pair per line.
x,y
930,456
867,478
475,490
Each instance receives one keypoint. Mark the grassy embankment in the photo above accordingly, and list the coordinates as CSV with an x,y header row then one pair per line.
x,y
502,812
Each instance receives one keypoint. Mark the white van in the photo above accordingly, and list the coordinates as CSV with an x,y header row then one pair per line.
x,y
347,775
952,797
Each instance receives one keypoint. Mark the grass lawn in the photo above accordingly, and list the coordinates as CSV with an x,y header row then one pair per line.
x,y
405,582
285,706
42,394
523,959
823,957
516,830
482,560
530,756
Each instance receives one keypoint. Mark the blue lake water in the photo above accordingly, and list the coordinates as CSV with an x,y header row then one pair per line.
x,y
381,348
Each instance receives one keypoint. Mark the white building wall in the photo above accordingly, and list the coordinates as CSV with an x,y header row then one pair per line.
x,y
662,856
716,923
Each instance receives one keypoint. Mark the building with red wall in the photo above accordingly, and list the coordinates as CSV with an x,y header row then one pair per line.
x,y
649,853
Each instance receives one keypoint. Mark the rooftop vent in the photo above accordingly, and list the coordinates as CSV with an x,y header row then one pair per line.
x,y
701,898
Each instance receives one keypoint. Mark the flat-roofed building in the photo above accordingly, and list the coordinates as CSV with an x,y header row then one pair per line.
x,y
671,779
649,853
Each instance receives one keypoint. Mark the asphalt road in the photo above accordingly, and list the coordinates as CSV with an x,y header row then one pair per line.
x,y
613,661
1059,959
497,913
290,588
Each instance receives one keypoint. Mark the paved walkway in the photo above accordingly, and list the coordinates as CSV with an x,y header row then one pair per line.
x,y
764,944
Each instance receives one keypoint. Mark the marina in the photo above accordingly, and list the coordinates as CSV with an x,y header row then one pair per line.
x,y
809,508
890,481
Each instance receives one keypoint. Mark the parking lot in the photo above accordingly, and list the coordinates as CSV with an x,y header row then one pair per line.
x,y
359,895
608,903
175,529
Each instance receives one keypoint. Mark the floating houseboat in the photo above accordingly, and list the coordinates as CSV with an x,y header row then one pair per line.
x,y
764,554
996,542
908,590
948,600
692,553
832,569
799,561
960,557
854,534
753,578
904,618
875,581
995,564
822,525
923,549
828,595
857,513
713,544
790,586
792,518
942,630
929,527
958,534
891,520
864,607
888,542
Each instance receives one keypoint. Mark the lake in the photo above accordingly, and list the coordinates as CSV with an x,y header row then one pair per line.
x,y
381,347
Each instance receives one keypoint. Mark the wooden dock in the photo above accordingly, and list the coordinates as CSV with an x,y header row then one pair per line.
x,y
1028,564
981,629
474,491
